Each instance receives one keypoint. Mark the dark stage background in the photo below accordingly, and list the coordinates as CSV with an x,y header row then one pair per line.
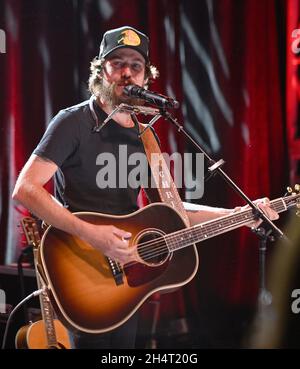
x,y
231,66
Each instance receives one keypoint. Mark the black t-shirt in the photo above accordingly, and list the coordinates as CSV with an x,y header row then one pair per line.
x,y
80,153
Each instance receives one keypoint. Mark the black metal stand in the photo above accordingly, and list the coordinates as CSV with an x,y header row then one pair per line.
x,y
264,296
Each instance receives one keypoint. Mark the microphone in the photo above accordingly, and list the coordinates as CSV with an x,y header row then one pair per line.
x,y
151,97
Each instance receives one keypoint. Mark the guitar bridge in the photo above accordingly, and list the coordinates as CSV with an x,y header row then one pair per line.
x,y
116,270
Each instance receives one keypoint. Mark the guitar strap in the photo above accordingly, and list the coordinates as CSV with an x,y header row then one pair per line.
x,y
165,185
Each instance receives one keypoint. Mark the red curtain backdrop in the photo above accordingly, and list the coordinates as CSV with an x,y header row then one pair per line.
x,y
255,157
222,62
293,87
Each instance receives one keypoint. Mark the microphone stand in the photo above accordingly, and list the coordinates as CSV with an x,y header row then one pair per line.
x,y
264,296
265,230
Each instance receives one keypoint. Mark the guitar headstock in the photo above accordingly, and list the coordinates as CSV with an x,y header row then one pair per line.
x,y
31,231
294,194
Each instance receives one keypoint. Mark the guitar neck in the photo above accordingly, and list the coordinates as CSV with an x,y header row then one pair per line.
x,y
212,228
46,308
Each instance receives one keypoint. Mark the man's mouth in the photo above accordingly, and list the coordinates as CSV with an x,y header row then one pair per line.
x,y
125,83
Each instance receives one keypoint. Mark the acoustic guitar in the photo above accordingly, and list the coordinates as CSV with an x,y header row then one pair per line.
x,y
48,333
95,294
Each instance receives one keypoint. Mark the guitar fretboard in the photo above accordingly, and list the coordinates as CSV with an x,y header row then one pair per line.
x,y
47,313
212,228
33,238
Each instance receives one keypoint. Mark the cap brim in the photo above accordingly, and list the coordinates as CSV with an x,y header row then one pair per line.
x,y
128,47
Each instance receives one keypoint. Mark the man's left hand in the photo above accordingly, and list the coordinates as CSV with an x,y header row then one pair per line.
x,y
264,205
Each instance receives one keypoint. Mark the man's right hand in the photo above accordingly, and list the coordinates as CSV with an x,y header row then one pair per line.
x,y
111,241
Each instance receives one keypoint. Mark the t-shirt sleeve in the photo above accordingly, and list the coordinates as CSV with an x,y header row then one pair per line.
x,y
61,138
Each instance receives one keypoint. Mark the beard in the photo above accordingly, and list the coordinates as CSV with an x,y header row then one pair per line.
x,y
108,93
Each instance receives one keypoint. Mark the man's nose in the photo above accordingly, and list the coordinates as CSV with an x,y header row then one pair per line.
x,y
126,70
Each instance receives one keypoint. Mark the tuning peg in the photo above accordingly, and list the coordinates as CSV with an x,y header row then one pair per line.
x,y
297,187
298,213
289,189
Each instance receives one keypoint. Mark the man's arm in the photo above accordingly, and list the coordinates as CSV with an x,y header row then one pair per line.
x,y
202,213
30,192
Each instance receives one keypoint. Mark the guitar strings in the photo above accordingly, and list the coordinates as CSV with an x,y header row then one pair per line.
x,y
160,244
158,251
172,237
148,254
246,216
209,227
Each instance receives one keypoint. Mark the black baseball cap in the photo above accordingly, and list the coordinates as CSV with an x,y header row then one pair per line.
x,y
124,37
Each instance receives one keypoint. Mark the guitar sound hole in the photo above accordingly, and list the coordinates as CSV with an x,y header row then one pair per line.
x,y
152,248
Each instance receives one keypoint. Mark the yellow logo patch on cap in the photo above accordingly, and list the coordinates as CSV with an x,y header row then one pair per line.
x,y
130,38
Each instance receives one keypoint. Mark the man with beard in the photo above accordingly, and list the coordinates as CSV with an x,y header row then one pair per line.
x,y
72,150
